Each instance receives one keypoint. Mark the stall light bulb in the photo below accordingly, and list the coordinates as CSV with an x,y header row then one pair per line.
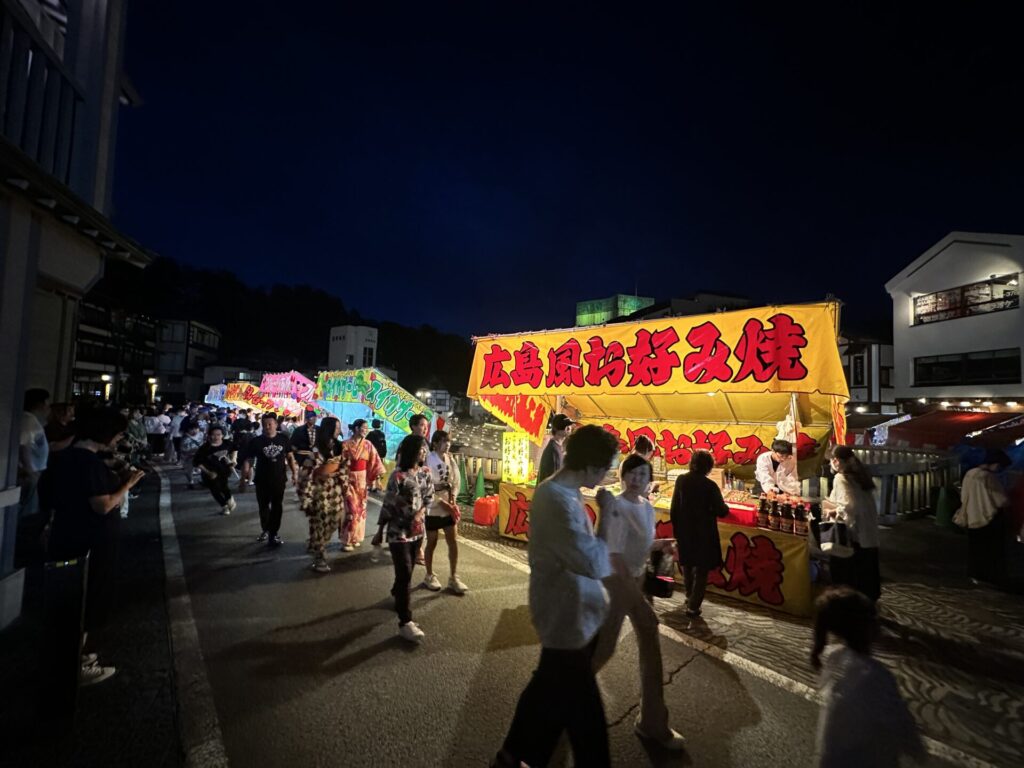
x,y
712,394
1012,403
965,403
923,400
944,403
987,403
860,409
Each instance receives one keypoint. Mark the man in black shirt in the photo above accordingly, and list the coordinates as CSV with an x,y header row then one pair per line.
x,y
303,441
270,452
214,461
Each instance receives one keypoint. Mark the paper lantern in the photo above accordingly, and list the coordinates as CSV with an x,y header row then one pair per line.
x,y
515,457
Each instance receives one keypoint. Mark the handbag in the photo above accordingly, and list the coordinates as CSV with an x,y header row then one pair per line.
x,y
658,581
834,539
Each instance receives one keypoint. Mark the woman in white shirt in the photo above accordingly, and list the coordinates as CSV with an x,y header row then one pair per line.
x,y
627,526
445,473
853,501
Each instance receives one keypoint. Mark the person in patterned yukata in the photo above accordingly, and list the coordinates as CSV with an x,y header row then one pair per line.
x,y
323,498
300,460
409,494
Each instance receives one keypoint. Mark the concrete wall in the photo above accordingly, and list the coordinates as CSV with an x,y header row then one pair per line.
x,y
350,340
961,261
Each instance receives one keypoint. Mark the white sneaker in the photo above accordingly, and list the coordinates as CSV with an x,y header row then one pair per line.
x,y
232,504
226,509
456,586
432,583
89,659
673,740
411,632
347,548
95,674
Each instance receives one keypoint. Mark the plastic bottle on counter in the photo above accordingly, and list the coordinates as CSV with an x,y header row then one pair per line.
x,y
786,523
775,516
762,511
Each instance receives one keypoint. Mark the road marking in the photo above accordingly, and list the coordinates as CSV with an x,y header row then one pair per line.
x,y
937,748
198,724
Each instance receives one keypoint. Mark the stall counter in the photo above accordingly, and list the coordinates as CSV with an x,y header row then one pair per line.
x,y
761,566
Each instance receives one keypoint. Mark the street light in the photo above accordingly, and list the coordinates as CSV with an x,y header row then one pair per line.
x,y
152,389
106,378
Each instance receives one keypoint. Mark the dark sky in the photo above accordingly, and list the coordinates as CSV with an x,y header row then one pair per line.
x,y
481,167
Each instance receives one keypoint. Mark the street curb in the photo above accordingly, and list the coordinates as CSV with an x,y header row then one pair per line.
x,y
934,747
198,724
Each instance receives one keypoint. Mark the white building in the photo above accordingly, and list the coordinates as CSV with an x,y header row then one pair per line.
x,y
439,400
958,326
868,364
352,346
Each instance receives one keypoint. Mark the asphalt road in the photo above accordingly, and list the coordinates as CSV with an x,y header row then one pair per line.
x,y
306,669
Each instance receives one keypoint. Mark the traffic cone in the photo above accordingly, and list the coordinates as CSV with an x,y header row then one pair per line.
x,y
480,490
463,482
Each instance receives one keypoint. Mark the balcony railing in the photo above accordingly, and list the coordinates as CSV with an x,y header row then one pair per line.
x,y
40,101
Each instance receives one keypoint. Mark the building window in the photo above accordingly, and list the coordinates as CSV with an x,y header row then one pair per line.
x,y
993,295
1000,366
858,371
885,377
172,332
350,360
367,357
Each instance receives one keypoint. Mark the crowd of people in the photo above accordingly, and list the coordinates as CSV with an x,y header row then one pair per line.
x,y
79,469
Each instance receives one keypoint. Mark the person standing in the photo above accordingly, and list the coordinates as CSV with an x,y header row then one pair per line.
x,y
697,504
554,453
379,441
155,432
445,474
852,501
34,450
213,459
364,467
191,441
60,428
301,443
775,470
270,453
983,510
409,493
863,720
84,495
174,449
568,605
323,498
627,526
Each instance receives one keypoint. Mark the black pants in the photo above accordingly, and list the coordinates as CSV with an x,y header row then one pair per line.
x,y
859,571
270,498
403,557
986,551
218,486
561,696
695,582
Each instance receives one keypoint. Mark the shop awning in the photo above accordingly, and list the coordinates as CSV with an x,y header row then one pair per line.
x,y
1004,435
729,369
941,430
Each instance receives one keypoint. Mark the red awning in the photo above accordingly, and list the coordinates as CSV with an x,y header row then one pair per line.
x,y
941,429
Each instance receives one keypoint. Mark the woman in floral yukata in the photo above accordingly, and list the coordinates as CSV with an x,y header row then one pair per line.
x,y
323,495
409,494
364,466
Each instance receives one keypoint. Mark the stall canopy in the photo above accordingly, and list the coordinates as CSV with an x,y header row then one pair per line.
x,y
366,393
721,382
243,394
941,430
291,390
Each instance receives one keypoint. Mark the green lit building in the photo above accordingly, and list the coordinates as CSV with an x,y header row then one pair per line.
x,y
598,311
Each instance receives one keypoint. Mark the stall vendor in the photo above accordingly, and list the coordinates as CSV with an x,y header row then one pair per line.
x,y
551,457
776,469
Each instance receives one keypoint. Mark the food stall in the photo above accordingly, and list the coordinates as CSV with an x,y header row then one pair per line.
x,y
728,383
292,392
366,393
243,394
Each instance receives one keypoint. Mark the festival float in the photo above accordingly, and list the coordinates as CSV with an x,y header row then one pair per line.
x,y
215,396
728,383
244,394
292,392
366,393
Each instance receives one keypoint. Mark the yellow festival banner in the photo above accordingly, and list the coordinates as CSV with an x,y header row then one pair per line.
x,y
765,567
751,362
525,413
248,396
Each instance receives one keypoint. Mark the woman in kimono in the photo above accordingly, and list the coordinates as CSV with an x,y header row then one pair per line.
x,y
323,495
364,467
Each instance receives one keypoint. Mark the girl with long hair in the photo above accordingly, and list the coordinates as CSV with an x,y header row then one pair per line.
x,y
853,501
323,498
364,467
863,719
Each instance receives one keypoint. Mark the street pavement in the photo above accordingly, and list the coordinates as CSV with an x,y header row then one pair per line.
x,y
306,669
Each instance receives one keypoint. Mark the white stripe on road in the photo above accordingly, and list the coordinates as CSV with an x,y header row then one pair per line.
x,y
936,748
198,725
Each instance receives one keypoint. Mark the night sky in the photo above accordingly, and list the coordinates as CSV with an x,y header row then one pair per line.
x,y
481,167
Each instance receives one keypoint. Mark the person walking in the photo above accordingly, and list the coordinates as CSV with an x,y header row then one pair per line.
x,y
364,467
174,448
379,441
408,496
852,501
442,513
627,526
83,495
269,451
155,432
323,498
983,511
697,504
568,606
301,443
214,461
863,720
191,441
553,454
419,425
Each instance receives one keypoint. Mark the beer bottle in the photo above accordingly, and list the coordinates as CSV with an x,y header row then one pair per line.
x,y
775,517
762,512
800,519
786,523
